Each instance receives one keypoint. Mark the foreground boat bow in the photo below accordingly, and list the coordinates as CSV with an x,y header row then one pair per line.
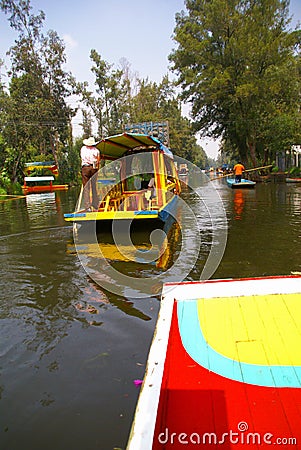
x,y
225,361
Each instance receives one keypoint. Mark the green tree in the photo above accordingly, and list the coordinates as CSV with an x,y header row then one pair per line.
x,y
121,98
109,102
234,62
157,102
37,116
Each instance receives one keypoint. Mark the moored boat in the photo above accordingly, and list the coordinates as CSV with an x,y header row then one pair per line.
x,y
123,184
240,184
224,366
41,184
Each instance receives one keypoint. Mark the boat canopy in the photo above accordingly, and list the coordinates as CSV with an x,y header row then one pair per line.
x,y
34,179
114,147
39,165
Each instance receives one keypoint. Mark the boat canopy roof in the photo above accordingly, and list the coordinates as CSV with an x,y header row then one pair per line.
x,y
114,147
34,179
39,165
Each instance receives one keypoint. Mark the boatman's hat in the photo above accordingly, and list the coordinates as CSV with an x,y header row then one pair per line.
x,y
89,142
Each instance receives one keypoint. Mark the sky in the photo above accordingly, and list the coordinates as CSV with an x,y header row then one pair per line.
x,y
138,30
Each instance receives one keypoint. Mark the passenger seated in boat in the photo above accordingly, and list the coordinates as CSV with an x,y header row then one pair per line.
x,y
152,187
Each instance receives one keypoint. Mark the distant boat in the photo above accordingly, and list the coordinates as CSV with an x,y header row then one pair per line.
x,y
293,180
240,184
44,182
41,184
225,356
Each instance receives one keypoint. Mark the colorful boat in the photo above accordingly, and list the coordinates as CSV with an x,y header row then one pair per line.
x,y
44,182
50,166
224,367
240,184
41,184
122,185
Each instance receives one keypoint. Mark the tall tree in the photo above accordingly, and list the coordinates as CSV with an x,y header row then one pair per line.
x,y
156,102
109,101
37,114
86,123
233,60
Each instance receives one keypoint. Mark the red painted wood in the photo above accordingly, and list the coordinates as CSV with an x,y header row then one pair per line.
x,y
195,400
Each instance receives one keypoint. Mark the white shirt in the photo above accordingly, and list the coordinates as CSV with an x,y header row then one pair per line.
x,y
152,183
89,155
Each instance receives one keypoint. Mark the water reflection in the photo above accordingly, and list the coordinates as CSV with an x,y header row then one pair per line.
x,y
238,203
266,239
117,266
70,349
134,254
41,286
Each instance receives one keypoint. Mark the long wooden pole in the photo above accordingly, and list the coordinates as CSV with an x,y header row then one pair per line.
x,y
248,170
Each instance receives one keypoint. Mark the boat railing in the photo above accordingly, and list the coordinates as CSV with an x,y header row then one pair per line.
x,y
135,200
113,198
138,200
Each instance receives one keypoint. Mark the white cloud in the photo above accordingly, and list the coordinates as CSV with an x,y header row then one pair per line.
x,y
69,41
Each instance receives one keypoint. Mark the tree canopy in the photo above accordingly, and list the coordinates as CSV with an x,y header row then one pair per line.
x,y
237,64
121,98
35,119
239,67
35,115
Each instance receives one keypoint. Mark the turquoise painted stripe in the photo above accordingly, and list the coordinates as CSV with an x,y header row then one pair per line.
x,y
145,213
75,215
196,346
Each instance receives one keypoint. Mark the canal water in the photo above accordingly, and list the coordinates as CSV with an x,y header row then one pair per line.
x,y
70,350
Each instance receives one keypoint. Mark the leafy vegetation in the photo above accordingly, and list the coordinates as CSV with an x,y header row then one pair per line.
x,y
237,65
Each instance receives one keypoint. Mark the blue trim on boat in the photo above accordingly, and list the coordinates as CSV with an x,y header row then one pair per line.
x,y
165,214
142,213
68,215
240,184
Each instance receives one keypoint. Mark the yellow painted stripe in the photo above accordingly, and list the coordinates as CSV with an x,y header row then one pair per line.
x,y
254,329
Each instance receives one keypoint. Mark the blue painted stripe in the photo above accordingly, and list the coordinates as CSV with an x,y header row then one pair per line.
x,y
145,213
168,209
75,215
196,346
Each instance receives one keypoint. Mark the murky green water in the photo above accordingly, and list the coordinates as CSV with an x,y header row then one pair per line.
x,y
70,351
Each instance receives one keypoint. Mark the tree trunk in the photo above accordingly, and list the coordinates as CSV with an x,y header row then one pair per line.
x,y
15,168
252,152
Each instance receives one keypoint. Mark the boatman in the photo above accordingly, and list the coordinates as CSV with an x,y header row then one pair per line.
x,y
238,170
90,158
